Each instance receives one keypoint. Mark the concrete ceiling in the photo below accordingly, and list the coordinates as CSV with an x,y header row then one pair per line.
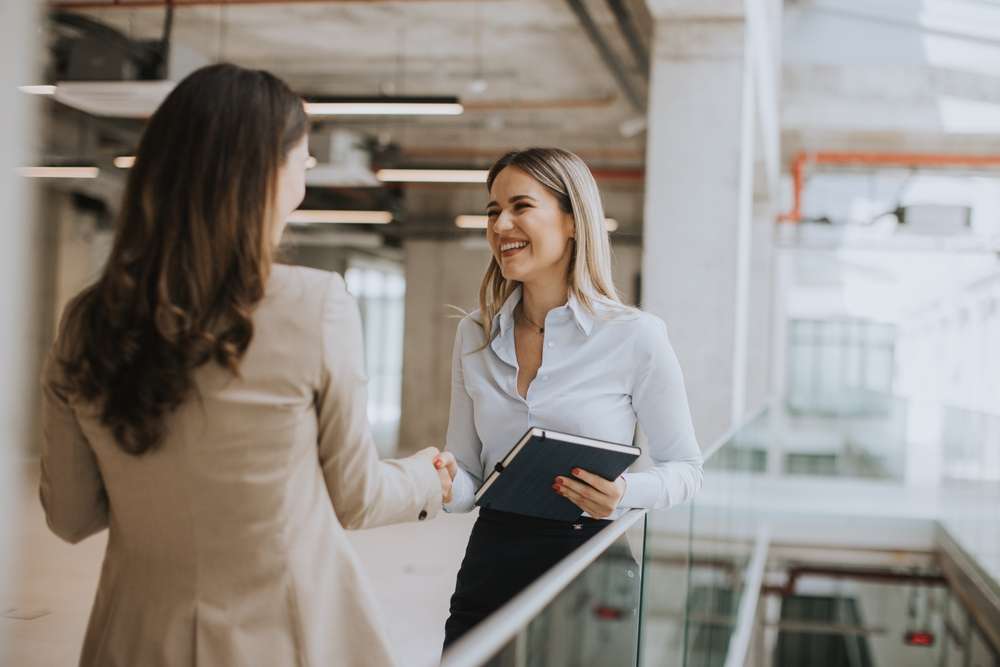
x,y
525,68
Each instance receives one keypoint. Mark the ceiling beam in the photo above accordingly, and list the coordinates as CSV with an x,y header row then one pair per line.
x,y
627,26
618,71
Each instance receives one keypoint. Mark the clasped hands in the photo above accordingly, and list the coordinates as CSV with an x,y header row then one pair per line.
x,y
593,494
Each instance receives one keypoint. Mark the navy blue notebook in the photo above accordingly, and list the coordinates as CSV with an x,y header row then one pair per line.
x,y
522,481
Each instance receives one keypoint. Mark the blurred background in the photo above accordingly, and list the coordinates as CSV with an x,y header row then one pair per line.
x,y
807,192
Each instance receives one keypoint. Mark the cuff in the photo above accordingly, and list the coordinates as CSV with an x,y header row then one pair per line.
x,y
427,489
463,493
641,490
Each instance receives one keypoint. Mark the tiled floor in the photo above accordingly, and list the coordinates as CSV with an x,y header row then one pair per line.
x,y
54,584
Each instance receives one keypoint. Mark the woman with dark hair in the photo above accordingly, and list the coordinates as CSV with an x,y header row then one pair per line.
x,y
209,407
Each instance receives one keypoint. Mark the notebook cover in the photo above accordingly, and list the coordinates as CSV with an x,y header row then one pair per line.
x,y
525,485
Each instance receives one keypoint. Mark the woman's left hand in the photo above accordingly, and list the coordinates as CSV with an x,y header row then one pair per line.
x,y
595,495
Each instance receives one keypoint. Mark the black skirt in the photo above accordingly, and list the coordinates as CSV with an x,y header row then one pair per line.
x,y
506,553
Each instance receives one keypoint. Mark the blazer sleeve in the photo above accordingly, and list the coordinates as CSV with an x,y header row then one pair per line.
x,y
365,491
463,439
71,488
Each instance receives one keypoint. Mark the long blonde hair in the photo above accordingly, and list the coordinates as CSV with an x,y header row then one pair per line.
x,y
567,177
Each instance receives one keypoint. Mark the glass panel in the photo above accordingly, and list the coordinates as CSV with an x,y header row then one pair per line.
x,y
593,622
696,562
665,583
970,455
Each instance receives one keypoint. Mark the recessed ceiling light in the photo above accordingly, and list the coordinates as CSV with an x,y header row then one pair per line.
x,y
319,217
124,161
59,172
432,175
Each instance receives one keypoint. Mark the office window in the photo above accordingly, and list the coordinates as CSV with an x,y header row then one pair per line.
x,y
839,367
380,288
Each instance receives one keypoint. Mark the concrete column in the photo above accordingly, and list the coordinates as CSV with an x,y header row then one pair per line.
x,y
438,274
16,254
699,201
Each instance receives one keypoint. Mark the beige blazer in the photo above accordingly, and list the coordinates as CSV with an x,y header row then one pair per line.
x,y
226,544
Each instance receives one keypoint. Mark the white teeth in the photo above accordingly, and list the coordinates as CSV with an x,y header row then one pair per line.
x,y
512,245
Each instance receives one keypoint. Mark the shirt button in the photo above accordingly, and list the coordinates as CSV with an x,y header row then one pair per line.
x,y
545,377
552,344
422,515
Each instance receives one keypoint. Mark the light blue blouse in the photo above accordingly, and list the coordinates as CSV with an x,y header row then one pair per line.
x,y
599,374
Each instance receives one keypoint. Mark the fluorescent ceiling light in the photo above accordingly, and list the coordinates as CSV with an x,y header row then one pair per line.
x,y
383,106
480,222
59,172
471,221
317,217
432,175
128,161
38,90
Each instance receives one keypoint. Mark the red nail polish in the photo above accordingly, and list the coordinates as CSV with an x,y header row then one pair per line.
x,y
555,487
576,471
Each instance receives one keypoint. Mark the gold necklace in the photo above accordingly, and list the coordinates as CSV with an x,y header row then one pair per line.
x,y
527,319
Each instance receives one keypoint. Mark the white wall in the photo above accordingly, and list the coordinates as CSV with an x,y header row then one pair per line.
x,y
947,351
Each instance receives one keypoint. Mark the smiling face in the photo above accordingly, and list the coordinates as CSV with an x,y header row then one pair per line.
x,y
528,232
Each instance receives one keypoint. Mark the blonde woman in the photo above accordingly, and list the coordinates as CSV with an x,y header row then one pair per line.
x,y
552,346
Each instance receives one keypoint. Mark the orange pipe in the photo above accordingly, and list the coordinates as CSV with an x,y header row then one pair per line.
x,y
843,158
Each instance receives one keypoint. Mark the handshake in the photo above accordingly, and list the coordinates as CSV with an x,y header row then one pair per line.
x,y
446,466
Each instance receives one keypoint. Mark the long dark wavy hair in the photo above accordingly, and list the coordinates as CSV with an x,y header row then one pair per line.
x,y
192,251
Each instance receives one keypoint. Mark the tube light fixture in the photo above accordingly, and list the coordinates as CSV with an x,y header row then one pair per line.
x,y
432,175
59,172
38,90
124,161
480,222
383,106
471,221
317,217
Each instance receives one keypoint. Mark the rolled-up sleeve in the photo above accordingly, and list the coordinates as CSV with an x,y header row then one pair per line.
x,y
661,407
462,439
71,488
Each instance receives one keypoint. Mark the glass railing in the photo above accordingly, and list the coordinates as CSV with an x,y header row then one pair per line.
x,y
583,612
682,586
671,587
970,484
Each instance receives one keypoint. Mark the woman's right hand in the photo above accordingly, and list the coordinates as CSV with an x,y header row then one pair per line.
x,y
446,466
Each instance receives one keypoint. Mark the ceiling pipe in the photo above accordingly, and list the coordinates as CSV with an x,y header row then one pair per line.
x,y
607,55
626,24
803,160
